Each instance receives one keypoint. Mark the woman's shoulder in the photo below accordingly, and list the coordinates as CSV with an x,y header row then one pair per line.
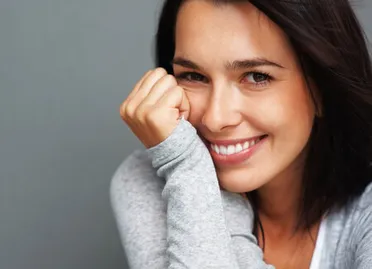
x,y
355,214
360,211
349,232
361,203
365,200
346,226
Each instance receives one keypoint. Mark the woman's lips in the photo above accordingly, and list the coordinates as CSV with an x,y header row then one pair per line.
x,y
235,158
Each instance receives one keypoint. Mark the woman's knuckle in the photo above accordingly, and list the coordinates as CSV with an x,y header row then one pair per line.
x,y
141,112
160,71
130,110
151,117
123,108
170,79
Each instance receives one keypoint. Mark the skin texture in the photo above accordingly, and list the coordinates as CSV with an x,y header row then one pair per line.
x,y
230,104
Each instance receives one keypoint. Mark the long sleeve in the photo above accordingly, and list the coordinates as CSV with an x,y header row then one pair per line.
x,y
197,231
140,215
140,212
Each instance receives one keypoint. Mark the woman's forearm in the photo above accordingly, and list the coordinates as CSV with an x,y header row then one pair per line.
x,y
198,236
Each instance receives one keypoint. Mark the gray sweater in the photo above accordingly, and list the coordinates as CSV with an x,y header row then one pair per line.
x,y
171,213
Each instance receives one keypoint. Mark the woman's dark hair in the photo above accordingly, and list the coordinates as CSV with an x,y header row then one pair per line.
x,y
331,47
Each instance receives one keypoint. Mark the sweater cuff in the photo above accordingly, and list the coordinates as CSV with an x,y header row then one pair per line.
x,y
174,145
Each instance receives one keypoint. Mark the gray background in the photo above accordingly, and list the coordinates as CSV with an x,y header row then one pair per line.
x,y
65,68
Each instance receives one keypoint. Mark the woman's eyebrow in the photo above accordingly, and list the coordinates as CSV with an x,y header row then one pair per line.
x,y
250,63
185,63
235,65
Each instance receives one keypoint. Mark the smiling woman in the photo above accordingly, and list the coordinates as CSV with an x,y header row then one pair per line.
x,y
230,104
277,103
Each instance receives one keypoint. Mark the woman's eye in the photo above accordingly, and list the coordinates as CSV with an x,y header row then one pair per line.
x,y
257,78
191,76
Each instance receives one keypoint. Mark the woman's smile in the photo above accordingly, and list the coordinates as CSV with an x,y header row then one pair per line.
x,y
235,154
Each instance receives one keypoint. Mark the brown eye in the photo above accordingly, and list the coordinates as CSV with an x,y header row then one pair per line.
x,y
195,76
191,76
258,79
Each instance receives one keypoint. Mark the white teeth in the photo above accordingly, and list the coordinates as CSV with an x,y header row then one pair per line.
x,y
216,148
231,149
238,148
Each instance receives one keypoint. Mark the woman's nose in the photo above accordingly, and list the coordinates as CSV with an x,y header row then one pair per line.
x,y
221,112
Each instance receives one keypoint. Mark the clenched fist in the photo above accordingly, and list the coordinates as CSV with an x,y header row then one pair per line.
x,y
153,109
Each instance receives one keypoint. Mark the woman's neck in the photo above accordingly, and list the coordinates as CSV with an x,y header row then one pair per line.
x,y
279,202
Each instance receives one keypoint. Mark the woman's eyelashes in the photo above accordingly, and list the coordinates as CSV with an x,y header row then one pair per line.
x,y
191,77
258,79
253,78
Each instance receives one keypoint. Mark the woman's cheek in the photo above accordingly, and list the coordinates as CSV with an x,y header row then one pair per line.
x,y
291,115
273,111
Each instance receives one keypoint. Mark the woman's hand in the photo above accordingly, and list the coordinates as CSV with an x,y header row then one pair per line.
x,y
153,108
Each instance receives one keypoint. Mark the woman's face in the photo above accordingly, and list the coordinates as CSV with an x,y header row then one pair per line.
x,y
243,81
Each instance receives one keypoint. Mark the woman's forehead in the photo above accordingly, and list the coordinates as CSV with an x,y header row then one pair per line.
x,y
233,29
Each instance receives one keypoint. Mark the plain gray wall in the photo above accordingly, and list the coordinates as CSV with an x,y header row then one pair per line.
x,y
65,68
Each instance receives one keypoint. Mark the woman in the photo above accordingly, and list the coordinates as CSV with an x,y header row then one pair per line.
x,y
270,164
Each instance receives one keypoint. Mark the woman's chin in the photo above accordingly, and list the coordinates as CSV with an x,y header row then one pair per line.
x,y
237,184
